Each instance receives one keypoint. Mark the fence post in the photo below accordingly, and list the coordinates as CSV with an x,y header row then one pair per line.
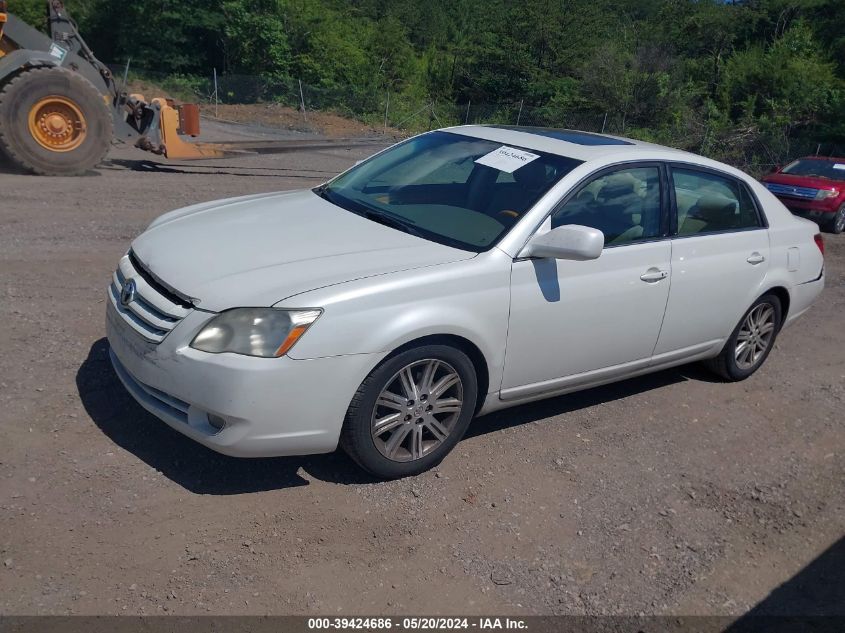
x,y
519,115
126,75
604,123
302,101
216,95
386,110
466,120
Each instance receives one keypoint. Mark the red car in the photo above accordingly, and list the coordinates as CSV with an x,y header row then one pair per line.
x,y
812,187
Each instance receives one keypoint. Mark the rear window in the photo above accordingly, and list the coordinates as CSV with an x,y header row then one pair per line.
x,y
710,203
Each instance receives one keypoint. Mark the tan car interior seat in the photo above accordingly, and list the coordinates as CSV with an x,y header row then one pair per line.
x,y
712,212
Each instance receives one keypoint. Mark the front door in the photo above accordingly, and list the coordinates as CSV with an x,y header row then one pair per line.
x,y
572,321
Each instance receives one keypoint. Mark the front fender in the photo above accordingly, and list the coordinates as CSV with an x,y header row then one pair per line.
x,y
18,60
469,298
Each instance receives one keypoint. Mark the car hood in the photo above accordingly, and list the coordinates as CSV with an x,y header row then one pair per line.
x,y
257,250
804,181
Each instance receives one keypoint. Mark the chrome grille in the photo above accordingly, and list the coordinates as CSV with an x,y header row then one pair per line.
x,y
151,311
806,193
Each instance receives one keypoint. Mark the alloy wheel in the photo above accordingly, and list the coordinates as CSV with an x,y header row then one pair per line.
x,y
417,410
755,336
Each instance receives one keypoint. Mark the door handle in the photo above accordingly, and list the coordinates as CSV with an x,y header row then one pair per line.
x,y
755,258
653,275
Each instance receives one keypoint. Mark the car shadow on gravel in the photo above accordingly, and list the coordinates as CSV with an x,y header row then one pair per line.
x,y
523,414
202,471
191,465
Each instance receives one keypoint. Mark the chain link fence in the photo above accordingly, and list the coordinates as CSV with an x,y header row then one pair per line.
x,y
369,109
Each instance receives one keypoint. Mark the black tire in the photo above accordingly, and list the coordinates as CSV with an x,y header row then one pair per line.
x,y
357,437
725,364
18,98
837,224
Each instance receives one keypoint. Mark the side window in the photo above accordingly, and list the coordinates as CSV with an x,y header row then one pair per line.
x,y
623,204
708,203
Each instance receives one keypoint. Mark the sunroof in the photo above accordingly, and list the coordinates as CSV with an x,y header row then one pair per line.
x,y
570,136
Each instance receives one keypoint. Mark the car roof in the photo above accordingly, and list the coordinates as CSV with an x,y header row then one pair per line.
x,y
585,146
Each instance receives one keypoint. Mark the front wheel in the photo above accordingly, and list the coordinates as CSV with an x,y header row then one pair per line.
x,y
751,342
837,224
411,411
54,122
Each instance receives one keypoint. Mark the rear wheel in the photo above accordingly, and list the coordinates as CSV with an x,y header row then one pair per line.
x,y
411,411
54,122
837,224
751,342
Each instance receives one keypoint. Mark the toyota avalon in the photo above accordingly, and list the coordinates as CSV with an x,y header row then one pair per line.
x,y
459,272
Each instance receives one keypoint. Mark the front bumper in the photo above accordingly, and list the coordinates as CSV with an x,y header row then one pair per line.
x,y
818,211
816,215
272,406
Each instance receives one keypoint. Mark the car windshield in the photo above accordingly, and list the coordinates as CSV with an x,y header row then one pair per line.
x,y
830,169
450,188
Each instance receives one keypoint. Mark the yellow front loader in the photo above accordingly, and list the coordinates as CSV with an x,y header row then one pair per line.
x,y
61,108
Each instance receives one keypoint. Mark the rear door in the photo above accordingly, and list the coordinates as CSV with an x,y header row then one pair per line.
x,y
720,256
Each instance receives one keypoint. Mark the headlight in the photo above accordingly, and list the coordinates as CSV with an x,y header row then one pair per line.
x,y
824,194
264,332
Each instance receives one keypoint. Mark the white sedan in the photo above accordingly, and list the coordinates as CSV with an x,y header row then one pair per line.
x,y
459,272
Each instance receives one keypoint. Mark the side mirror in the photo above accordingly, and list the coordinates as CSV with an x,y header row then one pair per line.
x,y
572,241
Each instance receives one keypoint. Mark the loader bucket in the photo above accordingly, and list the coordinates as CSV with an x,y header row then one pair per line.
x,y
171,119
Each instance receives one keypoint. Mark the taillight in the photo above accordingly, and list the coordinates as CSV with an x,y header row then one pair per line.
x,y
819,241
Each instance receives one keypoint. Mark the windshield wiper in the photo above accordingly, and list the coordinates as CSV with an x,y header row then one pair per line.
x,y
357,207
392,222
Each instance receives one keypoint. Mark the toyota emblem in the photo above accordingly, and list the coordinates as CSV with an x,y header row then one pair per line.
x,y
127,294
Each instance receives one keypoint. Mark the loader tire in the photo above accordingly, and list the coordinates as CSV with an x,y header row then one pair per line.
x,y
54,122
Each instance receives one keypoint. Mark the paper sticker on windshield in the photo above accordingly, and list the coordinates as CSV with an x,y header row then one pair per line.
x,y
507,159
839,165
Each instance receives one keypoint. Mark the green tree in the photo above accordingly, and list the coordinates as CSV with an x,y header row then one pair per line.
x,y
254,39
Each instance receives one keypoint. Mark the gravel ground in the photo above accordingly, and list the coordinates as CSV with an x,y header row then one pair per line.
x,y
668,494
